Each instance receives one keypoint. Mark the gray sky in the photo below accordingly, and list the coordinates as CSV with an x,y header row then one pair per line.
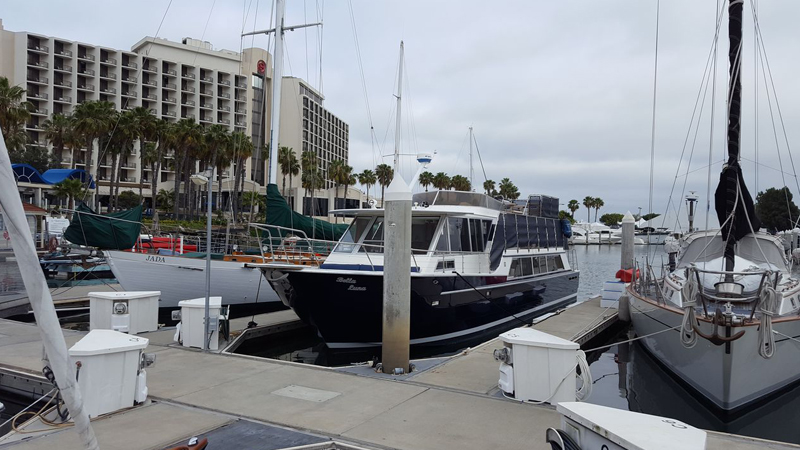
x,y
559,93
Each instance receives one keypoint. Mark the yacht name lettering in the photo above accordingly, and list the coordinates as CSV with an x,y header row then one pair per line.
x,y
159,259
346,280
356,288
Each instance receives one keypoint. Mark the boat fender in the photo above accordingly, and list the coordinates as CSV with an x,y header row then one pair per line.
x,y
566,227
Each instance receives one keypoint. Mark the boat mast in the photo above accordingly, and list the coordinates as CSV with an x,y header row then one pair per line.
x,y
277,75
471,172
399,117
735,8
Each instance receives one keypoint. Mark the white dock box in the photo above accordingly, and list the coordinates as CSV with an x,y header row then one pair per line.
x,y
193,321
127,312
109,367
612,291
543,366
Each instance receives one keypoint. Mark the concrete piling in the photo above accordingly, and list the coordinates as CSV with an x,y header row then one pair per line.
x,y
397,277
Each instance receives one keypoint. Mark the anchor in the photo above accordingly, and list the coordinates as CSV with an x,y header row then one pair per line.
x,y
714,337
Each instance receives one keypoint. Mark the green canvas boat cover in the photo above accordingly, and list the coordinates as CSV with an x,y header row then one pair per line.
x,y
114,231
279,213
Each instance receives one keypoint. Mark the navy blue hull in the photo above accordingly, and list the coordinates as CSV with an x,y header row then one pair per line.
x,y
346,308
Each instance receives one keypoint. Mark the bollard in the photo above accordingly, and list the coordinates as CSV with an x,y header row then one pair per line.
x,y
397,277
626,261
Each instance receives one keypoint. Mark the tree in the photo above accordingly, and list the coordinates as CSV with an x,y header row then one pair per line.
x,y
425,179
650,216
573,206
252,199
489,186
147,127
611,219
460,183
367,178
285,156
128,200
35,155
565,215
187,136
14,113
243,149
58,130
776,209
588,202
441,181
164,200
336,173
163,134
508,189
93,120
310,178
70,188
597,204
384,173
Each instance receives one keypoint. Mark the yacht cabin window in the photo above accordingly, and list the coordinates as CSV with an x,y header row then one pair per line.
x,y
533,265
352,235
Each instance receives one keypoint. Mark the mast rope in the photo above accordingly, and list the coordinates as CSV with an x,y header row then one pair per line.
x,y
767,306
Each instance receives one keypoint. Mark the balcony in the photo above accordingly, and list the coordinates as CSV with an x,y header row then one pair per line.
x,y
171,72
224,108
149,68
169,100
39,95
39,111
41,64
207,79
206,105
32,126
241,111
130,64
63,68
128,107
169,114
189,116
109,60
63,99
86,87
188,75
241,99
225,121
205,119
89,72
188,89
188,102
151,82
86,57
151,97
38,48
206,92
63,83
128,165
110,76
130,79
35,79
225,82
224,95
241,86
241,124
129,94
152,111
66,53
108,90
170,86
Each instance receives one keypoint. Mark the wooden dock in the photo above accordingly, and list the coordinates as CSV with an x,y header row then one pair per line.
x,y
450,403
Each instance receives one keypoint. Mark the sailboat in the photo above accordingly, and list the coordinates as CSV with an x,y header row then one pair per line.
x,y
725,317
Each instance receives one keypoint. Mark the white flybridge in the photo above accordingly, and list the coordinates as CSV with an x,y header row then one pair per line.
x,y
55,346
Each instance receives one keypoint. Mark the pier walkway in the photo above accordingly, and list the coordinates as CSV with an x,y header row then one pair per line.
x,y
449,405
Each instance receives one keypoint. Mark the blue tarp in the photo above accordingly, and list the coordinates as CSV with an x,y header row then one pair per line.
x,y
28,174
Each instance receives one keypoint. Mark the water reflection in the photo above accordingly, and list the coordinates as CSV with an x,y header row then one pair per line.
x,y
628,377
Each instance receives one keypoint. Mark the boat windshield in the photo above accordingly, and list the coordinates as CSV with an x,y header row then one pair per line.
x,y
760,250
366,234
352,235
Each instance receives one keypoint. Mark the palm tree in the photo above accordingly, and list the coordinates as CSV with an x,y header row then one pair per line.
x,y
311,176
588,202
312,180
285,155
121,146
14,113
70,188
367,178
336,172
57,130
163,134
93,120
508,189
441,181
384,173
598,203
460,183
164,199
573,206
146,124
425,179
186,135
243,149
489,186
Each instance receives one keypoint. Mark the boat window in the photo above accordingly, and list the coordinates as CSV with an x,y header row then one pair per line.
x,y
443,265
352,235
442,244
551,263
538,267
559,262
455,233
516,268
373,241
527,269
422,231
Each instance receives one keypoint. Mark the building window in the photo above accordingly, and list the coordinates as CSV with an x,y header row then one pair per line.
x,y
258,82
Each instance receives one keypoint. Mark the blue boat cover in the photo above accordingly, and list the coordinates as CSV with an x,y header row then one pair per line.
x,y
28,174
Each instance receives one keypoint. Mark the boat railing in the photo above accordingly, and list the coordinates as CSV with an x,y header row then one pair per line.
x,y
290,245
366,249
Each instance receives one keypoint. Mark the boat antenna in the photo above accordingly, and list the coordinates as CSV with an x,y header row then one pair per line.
x,y
399,116
471,171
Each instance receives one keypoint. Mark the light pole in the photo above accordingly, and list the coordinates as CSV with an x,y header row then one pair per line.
x,y
639,217
200,179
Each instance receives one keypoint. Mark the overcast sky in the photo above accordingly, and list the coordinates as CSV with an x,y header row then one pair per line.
x,y
560,93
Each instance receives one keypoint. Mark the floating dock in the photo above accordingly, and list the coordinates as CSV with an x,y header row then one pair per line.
x,y
448,402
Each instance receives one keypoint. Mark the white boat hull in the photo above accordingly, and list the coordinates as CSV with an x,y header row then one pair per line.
x,y
180,278
729,376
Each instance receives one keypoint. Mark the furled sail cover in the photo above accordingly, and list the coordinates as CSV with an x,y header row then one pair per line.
x,y
280,214
115,231
725,199
524,232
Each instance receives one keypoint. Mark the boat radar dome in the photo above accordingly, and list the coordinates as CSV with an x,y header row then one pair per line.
x,y
424,158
